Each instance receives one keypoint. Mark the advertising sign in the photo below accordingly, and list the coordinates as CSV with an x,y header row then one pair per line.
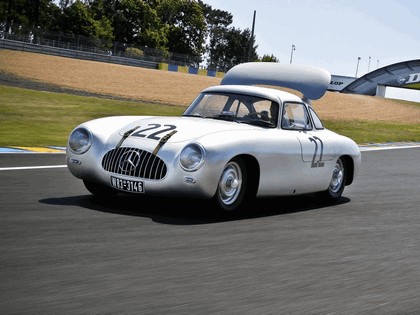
x,y
339,82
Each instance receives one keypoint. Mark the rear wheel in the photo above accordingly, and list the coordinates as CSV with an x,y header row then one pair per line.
x,y
98,190
337,182
230,194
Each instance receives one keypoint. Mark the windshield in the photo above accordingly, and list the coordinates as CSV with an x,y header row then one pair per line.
x,y
239,108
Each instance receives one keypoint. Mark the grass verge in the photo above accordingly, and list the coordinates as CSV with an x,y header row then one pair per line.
x,y
364,132
36,118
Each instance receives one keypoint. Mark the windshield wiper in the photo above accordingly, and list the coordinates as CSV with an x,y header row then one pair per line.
x,y
194,115
224,116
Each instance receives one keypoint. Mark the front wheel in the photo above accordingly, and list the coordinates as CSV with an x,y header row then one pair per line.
x,y
337,182
230,194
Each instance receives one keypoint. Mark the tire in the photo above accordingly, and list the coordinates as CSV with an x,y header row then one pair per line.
x,y
231,189
337,182
100,191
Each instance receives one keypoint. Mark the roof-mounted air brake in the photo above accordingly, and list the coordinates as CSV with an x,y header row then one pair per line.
x,y
312,82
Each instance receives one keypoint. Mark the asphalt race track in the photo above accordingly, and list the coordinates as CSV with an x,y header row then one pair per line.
x,y
65,252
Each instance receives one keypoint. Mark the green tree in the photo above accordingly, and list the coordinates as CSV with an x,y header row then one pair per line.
x,y
137,22
13,12
176,26
50,16
268,58
65,3
79,20
236,49
218,22
28,15
185,24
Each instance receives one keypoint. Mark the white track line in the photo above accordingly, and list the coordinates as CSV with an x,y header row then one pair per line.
x,y
362,148
377,148
30,167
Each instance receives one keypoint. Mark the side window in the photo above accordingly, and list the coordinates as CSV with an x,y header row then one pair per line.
x,y
295,117
317,122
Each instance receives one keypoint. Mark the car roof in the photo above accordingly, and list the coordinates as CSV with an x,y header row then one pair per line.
x,y
259,91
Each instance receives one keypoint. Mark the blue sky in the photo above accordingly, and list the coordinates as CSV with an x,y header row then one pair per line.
x,y
332,34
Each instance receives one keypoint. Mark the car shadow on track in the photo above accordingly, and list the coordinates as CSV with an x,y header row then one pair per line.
x,y
186,211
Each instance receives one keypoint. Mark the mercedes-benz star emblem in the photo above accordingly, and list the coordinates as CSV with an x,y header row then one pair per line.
x,y
129,160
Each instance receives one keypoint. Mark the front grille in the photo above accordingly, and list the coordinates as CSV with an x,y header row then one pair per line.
x,y
134,162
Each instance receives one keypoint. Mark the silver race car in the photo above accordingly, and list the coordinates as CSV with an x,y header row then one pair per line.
x,y
242,139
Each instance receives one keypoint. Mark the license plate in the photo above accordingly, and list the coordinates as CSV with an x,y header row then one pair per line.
x,y
134,186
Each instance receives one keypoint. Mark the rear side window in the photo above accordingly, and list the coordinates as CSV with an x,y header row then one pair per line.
x,y
317,122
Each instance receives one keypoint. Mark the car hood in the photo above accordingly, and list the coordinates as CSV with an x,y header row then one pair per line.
x,y
179,129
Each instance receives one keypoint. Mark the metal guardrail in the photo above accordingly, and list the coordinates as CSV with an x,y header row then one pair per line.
x,y
76,54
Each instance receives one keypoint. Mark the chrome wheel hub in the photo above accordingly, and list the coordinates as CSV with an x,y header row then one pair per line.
x,y
337,177
230,183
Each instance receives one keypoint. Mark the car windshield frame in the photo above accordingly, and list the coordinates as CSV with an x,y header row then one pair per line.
x,y
235,107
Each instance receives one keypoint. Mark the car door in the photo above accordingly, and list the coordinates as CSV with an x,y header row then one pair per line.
x,y
317,147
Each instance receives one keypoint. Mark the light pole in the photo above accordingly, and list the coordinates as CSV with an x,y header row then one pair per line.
x,y
251,41
357,67
377,64
368,64
291,53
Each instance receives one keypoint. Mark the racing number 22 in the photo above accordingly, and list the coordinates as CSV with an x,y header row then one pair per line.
x,y
317,162
154,135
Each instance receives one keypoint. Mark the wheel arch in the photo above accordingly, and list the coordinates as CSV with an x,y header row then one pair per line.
x,y
253,168
349,165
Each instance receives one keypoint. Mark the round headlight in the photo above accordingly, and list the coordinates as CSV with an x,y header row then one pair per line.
x,y
192,157
80,140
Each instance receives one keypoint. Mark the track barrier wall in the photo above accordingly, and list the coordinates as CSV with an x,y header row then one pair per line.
x,y
190,70
77,54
